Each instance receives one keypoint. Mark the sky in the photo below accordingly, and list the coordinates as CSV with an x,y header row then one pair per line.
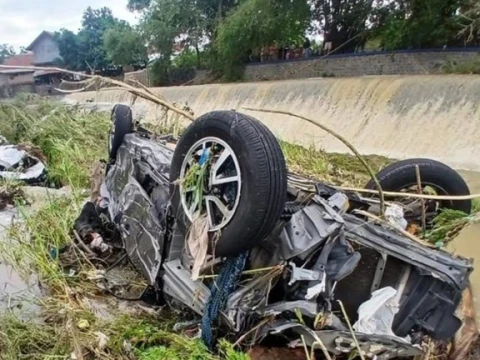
x,y
21,21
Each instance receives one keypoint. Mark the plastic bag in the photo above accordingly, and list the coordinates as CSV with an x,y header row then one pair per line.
x,y
375,316
394,215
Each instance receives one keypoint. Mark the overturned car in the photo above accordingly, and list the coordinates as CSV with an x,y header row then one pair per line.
x,y
218,227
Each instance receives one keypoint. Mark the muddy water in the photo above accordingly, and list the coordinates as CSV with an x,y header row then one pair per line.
x,y
14,290
473,180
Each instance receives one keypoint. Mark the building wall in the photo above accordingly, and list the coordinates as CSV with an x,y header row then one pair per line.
x,y
16,79
10,91
45,51
350,65
412,63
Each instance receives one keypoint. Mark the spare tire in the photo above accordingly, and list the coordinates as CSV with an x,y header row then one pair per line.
x,y
444,180
239,180
122,124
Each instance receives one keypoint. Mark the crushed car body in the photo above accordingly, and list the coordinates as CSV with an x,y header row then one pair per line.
x,y
317,254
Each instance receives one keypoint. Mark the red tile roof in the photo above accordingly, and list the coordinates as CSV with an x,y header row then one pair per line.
x,y
19,60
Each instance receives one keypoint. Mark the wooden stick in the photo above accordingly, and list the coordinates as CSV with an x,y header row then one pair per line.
x,y
347,320
83,245
339,137
400,230
422,201
255,328
136,91
410,195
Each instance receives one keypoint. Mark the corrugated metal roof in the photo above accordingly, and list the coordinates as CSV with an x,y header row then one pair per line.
x,y
42,34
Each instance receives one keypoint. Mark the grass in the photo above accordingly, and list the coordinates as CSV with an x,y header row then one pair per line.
x,y
469,67
72,140
448,224
336,169
10,193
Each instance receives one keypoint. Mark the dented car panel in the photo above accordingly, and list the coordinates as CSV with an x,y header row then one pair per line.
x,y
141,167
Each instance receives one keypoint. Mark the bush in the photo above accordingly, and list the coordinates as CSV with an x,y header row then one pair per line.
x,y
469,67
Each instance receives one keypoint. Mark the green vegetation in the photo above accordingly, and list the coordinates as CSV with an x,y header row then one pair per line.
x,y
71,139
220,35
448,224
124,45
469,67
95,48
6,51
66,322
336,169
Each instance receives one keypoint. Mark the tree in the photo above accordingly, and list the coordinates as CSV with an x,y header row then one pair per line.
x,y
166,22
343,22
95,23
420,24
470,22
256,23
85,50
6,51
169,24
125,46
69,46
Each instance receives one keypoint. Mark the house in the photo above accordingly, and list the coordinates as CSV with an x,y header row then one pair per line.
x,y
45,49
46,53
17,76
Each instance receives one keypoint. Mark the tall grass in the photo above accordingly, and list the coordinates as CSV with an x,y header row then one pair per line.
x,y
72,139
336,169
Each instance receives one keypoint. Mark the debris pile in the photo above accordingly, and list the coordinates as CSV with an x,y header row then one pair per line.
x,y
394,289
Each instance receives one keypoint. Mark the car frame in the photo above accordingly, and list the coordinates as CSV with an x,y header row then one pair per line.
x,y
317,249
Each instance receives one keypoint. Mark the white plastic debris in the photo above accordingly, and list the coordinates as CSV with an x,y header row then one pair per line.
x,y
98,243
375,316
12,163
314,291
197,242
102,340
394,215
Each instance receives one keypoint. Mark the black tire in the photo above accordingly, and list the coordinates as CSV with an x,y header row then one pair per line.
x,y
122,124
263,176
402,174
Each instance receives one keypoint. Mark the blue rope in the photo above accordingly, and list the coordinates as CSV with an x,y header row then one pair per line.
x,y
224,285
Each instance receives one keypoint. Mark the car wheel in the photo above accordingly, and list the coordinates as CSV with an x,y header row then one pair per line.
x,y
436,179
229,167
122,124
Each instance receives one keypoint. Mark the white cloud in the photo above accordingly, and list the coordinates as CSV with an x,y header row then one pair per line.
x,y
21,21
